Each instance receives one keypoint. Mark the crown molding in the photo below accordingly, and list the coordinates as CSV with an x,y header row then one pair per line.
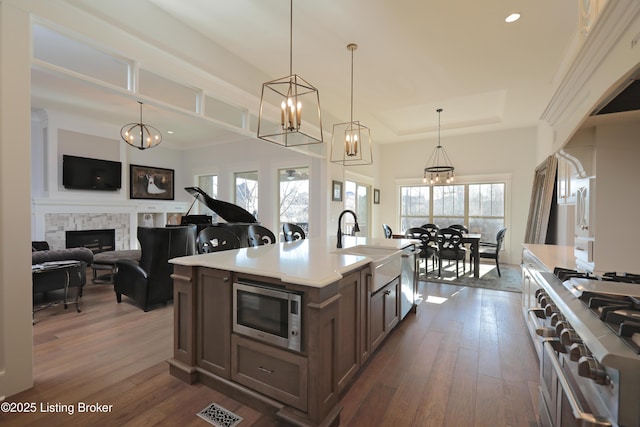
x,y
574,88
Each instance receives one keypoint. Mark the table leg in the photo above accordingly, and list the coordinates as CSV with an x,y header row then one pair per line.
x,y
66,287
476,259
78,289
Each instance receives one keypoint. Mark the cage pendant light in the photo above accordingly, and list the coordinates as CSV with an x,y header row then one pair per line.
x,y
351,142
439,168
140,135
290,107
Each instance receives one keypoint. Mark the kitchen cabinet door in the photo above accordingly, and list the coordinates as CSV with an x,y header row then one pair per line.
x,y
214,321
276,373
349,330
385,312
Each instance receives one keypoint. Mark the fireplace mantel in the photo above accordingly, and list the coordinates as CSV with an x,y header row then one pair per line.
x,y
52,217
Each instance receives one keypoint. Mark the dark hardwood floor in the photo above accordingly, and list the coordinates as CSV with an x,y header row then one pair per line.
x,y
464,359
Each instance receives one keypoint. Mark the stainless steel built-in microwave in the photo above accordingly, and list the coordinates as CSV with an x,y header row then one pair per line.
x,y
269,314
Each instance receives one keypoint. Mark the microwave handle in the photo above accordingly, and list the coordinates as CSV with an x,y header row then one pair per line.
x,y
586,418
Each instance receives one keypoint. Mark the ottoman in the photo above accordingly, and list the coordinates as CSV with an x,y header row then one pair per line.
x,y
107,261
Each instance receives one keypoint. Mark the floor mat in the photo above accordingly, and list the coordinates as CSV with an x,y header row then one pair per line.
x,y
511,279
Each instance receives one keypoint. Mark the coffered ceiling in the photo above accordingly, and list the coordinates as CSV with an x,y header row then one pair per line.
x,y
413,57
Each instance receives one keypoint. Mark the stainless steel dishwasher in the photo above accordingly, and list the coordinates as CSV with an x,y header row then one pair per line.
x,y
408,279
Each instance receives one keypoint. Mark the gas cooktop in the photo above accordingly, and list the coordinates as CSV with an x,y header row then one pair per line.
x,y
616,304
600,337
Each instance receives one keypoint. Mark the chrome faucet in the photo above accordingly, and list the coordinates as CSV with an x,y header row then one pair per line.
x,y
356,227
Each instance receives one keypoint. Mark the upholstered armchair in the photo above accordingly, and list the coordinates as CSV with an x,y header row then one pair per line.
x,y
149,282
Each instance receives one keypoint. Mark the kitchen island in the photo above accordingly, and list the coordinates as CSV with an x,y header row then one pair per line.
x,y
349,303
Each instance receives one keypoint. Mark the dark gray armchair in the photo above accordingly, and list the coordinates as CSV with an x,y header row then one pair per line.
x,y
149,282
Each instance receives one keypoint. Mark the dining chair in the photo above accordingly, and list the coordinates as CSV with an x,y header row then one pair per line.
x,y
431,228
427,248
292,232
461,228
215,239
259,235
492,250
450,247
388,233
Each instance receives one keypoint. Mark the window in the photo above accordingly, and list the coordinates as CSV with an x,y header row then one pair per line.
x,y
448,205
356,198
480,206
208,184
415,206
486,209
246,191
294,196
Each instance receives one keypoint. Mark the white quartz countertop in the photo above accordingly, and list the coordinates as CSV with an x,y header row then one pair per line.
x,y
312,262
552,256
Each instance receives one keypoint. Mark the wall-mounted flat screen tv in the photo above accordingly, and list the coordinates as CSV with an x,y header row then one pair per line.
x,y
83,173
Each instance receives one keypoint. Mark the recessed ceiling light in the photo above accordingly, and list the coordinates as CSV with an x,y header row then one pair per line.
x,y
512,18
170,131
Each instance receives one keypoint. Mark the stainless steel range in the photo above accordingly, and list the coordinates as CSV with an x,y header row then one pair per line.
x,y
587,331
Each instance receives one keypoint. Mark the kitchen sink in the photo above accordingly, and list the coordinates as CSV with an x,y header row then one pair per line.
x,y
374,252
386,263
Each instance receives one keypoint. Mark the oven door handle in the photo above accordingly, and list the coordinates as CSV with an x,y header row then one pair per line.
x,y
586,419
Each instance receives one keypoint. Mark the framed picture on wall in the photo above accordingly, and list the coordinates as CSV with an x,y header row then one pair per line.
x,y
336,195
376,196
148,182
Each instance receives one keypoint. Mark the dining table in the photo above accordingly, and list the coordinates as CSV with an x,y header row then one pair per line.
x,y
473,240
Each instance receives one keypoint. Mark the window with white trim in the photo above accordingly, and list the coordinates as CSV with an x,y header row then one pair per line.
x,y
246,191
479,206
208,184
294,196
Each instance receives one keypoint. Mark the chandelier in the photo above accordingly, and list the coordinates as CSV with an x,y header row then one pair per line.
x,y
140,135
439,167
351,142
298,120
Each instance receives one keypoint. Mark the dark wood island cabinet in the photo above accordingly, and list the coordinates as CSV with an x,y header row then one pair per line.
x,y
342,323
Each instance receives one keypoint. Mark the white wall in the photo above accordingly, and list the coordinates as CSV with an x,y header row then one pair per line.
x,y
56,133
511,152
617,198
224,159
16,330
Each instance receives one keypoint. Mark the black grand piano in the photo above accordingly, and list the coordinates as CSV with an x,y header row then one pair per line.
x,y
237,219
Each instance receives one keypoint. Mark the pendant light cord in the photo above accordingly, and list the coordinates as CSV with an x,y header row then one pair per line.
x,y
291,38
352,48
439,110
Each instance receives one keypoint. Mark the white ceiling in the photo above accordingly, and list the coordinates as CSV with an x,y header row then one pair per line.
x,y
413,57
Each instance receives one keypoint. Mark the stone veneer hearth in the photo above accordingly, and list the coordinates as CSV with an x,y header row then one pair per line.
x,y
51,218
57,223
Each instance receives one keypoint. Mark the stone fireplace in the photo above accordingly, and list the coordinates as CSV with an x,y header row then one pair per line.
x,y
56,225
52,218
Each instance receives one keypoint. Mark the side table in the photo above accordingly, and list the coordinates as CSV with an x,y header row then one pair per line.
x,y
45,275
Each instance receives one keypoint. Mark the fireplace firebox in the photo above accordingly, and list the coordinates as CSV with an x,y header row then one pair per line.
x,y
97,240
